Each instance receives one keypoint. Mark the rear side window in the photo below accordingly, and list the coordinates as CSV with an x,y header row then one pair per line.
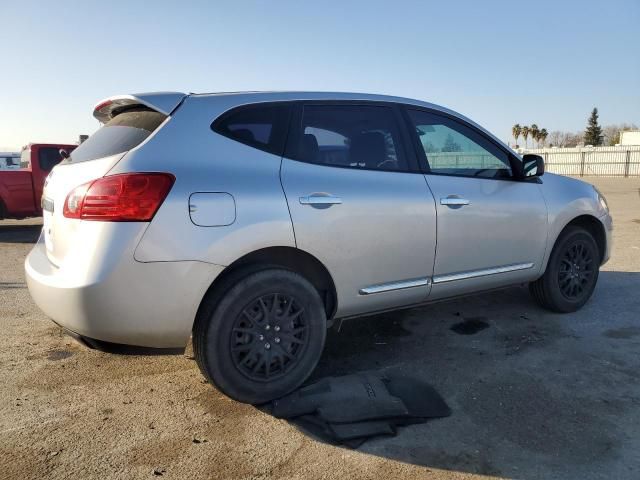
x,y
48,157
123,132
262,126
353,136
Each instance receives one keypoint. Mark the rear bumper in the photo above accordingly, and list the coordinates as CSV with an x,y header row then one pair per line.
x,y
119,299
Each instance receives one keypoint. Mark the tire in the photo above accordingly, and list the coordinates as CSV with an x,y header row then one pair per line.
x,y
571,274
260,335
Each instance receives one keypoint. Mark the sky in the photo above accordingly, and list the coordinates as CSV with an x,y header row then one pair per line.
x,y
497,62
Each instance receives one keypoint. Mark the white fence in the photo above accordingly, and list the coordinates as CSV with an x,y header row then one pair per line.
x,y
622,161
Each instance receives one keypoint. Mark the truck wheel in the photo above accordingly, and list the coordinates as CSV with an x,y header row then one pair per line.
x,y
571,274
259,337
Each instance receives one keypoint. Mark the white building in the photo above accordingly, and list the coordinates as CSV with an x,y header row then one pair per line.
x,y
630,137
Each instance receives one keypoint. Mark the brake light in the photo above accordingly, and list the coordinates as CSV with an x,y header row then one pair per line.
x,y
128,197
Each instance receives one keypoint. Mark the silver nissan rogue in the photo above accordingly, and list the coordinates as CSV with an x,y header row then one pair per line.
x,y
250,221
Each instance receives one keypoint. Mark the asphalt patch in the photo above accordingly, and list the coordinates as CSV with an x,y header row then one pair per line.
x,y
624,332
59,355
470,326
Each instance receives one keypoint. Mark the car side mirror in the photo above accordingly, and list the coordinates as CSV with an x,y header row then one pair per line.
x,y
532,165
63,153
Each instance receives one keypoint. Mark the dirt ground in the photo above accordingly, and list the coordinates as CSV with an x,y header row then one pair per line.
x,y
534,395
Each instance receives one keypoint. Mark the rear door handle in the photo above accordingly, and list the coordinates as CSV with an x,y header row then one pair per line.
x,y
452,200
320,199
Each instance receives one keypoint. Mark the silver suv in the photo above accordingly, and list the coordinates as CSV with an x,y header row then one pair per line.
x,y
250,221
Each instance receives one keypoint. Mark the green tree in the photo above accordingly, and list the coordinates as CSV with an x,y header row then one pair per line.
x,y
534,131
593,133
525,135
543,136
515,131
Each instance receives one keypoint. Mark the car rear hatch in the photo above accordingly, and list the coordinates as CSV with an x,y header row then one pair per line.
x,y
128,121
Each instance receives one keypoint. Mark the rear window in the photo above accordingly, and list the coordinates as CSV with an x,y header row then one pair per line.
x,y
262,126
48,157
125,131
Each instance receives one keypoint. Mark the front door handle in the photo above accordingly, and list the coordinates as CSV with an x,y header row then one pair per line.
x,y
454,201
320,199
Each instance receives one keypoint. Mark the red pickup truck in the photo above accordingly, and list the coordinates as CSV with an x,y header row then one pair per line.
x,y
21,189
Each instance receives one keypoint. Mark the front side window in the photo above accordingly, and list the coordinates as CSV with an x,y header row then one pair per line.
x,y
261,126
455,149
355,136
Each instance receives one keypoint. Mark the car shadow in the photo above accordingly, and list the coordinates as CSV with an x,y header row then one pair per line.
x,y
18,232
533,394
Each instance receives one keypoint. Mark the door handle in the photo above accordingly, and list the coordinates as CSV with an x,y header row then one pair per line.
x,y
454,201
317,199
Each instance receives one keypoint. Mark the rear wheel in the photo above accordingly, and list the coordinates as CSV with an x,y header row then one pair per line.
x,y
260,336
571,274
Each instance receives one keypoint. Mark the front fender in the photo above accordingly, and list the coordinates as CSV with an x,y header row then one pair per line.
x,y
568,199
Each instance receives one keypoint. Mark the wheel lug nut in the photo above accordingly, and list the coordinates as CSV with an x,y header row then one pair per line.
x,y
261,337
267,345
277,328
268,327
277,339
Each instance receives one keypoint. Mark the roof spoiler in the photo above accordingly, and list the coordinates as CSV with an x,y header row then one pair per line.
x,y
163,102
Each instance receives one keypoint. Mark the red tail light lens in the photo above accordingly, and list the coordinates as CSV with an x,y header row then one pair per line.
x,y
129,197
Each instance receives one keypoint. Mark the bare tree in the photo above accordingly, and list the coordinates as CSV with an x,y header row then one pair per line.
x,y
611,133
575,139
558,138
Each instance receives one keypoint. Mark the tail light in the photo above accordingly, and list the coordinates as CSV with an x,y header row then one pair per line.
x,y
129,197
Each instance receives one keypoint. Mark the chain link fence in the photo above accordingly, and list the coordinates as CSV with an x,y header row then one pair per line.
x,y
622,161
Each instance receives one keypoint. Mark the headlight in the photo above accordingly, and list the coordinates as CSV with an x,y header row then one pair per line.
x,y
602,200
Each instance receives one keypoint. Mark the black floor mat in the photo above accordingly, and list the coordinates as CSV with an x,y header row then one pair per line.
x,y
348,410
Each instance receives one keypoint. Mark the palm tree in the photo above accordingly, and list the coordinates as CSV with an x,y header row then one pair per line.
x,y
534,131
525,135
515,131
543,136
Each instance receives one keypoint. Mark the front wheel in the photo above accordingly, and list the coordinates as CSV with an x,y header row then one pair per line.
x,y
571,274
262,337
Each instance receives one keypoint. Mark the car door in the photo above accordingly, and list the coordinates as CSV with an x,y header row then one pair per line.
x,y
359,204
492,226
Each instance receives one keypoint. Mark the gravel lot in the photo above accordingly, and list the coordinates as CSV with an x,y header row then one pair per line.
x,y
534,395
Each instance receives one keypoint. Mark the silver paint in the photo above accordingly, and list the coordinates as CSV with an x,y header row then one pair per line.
x,y
381,235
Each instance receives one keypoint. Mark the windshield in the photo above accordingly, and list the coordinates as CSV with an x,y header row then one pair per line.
x,y
120,134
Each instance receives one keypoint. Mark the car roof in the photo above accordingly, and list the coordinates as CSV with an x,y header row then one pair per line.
x,y
166,102
318,95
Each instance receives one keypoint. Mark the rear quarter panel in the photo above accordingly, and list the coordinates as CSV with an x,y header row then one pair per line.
x,y
204,161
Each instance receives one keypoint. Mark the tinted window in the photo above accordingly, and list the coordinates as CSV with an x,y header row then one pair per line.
x,y
48,157
260,126
453,148
355,136
120,134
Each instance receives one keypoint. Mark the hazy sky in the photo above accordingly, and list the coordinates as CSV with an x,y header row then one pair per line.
x,y
498,62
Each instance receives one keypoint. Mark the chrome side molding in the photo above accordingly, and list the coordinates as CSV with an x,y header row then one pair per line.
x,y
451,277
401,285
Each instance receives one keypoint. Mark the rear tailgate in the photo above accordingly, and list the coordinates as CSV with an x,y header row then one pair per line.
x,y
128,122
